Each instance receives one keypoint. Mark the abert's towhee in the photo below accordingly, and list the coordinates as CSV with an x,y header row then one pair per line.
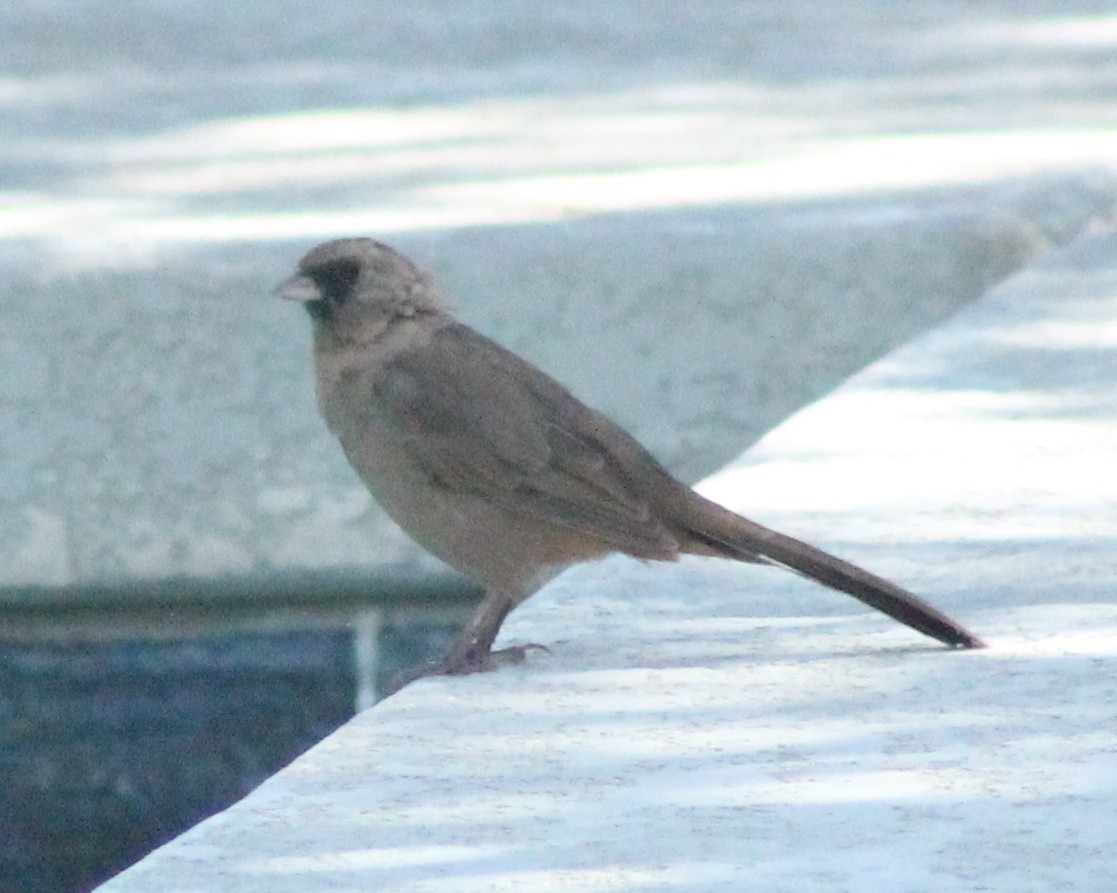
x,y
498,470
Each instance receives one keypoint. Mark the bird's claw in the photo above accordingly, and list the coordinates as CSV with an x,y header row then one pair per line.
x,y
466,663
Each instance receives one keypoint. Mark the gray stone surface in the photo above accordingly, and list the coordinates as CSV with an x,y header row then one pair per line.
x,y
163,419
586,177
709,726
699,220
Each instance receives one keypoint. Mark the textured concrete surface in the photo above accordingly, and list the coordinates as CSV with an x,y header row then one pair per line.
x,y
742,203
169,428
700,220
710,726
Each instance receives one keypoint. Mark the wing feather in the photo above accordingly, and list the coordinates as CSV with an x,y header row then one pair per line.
x,y
479,420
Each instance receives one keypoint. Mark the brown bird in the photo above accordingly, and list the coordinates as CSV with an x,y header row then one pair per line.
x,y
498,470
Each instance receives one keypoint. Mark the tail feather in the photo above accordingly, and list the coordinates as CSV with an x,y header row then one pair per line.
x,y
725,533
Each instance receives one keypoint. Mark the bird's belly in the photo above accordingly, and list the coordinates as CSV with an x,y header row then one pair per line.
x,y
497,548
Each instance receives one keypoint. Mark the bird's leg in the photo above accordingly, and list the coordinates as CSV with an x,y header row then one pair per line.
x,y
472,651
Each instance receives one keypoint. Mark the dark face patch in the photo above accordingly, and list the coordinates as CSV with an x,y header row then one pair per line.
x,y
336,279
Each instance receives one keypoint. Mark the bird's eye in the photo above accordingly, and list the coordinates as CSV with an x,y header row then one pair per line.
x,y
336,279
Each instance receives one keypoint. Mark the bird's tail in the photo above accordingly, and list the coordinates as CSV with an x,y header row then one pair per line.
x,y
721,532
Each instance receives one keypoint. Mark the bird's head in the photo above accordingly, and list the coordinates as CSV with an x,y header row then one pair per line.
x,y
355,287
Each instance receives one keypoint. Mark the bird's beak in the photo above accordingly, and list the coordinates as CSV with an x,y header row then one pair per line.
x,y
299,288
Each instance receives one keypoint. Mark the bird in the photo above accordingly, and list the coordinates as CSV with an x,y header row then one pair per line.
x,y
498,470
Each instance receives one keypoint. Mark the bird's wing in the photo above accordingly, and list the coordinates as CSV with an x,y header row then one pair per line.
x,y
477,419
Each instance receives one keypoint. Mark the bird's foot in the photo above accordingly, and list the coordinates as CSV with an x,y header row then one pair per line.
x,y
467,662
475,661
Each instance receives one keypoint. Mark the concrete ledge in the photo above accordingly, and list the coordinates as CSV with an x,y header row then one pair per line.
x,y
708,726
175,449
